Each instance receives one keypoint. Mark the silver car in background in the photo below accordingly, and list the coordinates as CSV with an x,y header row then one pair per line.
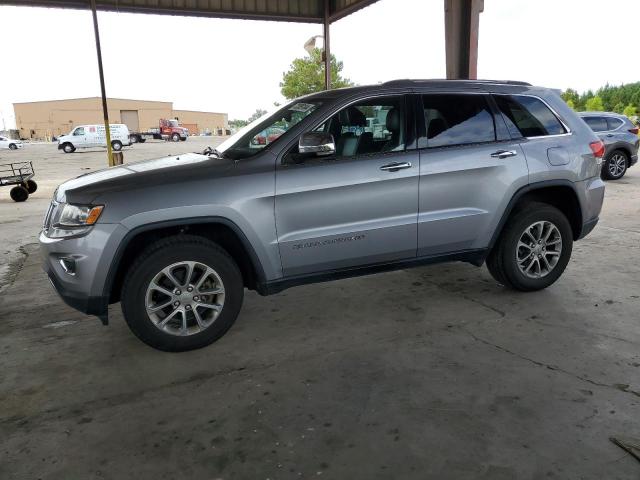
x,y
620,137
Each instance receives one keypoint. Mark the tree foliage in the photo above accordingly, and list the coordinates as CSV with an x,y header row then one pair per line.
x,y
256,115
622,99
306,75
594,104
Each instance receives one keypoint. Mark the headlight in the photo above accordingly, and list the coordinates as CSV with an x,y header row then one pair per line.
x,y
72,220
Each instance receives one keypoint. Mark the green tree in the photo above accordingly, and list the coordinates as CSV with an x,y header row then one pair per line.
x,y
571,105
237,124
306,75
257,114
630,111
570,95
594,104
619,107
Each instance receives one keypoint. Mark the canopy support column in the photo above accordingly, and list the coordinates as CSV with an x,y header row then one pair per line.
x,y
105,110
326,54
462,21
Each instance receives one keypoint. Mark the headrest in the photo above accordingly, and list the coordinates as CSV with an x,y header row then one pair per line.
x,y
393,120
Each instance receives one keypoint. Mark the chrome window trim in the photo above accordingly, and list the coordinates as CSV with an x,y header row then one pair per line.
x,y
568,131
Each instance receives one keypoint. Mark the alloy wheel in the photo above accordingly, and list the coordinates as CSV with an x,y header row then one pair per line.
x,y
185,298
539,249
617,165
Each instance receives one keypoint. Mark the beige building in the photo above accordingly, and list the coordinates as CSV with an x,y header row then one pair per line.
x,y
39,120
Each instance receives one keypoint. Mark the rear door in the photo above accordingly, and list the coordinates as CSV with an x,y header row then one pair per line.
x,y
546,140
358,206
469,170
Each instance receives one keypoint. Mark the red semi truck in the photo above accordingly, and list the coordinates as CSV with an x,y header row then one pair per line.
x,y
168,130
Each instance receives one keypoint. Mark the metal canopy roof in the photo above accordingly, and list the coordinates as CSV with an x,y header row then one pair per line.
x,y
309,11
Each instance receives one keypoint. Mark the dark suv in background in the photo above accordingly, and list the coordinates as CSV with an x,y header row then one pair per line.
x,y
360,180
620,137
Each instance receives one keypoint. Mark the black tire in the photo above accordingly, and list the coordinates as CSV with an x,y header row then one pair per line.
x,y
501,261
133,139
162,254
609,169
116,145
142,140
183,139
68,148
19,194
31,186
175,137
13,146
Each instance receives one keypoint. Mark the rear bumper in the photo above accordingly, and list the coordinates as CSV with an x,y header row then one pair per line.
x,y
587,227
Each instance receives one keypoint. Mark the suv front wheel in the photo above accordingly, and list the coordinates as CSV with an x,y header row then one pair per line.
x,y
533,249
182,293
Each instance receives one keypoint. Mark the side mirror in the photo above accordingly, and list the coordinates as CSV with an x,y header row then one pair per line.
x,y
319,143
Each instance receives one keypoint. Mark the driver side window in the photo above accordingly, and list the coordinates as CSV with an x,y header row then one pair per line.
x,y
78,131
370,126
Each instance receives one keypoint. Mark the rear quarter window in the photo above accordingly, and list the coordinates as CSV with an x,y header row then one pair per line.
x,y
613,123
527,116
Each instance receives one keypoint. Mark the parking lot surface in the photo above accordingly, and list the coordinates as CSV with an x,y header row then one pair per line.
x,y
433,372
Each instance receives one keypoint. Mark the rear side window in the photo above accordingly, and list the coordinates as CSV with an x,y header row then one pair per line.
x,y
597,124
613,123
456,119
528,116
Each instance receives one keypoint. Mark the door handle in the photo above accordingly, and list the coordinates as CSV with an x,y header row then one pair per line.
x,y
394,167
609,134
504,154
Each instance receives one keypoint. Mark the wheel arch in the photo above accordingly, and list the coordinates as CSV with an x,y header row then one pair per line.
x,y
558,193
220,230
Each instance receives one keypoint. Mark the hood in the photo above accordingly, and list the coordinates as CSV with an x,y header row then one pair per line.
x,y
173,169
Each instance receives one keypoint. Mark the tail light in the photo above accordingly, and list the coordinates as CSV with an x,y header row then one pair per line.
x,y
597,148
634,130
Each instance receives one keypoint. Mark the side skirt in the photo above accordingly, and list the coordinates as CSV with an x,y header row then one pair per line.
x,y
475,257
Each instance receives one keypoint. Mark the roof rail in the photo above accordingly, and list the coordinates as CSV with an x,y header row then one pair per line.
x,y
442,80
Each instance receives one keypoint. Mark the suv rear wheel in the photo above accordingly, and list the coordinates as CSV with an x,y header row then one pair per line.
x,y
615,165
182,293
533,249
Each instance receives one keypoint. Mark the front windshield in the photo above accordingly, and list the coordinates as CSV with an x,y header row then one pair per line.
x,y
265,130
173,123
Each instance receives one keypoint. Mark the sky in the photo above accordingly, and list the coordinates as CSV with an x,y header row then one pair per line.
x,y
235,66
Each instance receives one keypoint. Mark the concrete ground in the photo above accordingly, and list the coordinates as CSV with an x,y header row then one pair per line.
x,y
433,372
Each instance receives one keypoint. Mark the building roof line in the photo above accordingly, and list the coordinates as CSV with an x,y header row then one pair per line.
x,y
90,98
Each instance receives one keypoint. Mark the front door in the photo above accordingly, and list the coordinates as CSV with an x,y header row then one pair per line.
x,y
358,206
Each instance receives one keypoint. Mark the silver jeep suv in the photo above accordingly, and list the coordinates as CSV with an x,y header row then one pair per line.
x,y
354,181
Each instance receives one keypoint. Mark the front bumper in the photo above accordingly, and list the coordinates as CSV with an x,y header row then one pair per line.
x,y
92,254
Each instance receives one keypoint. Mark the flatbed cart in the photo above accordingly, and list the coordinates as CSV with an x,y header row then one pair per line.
x,y
21,175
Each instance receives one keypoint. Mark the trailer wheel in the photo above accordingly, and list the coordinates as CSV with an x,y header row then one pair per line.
x,y
175,137
19,194
134,138
68,148
31,186
142,140
116,145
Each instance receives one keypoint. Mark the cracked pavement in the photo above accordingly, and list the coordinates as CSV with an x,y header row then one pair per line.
x,y
429,373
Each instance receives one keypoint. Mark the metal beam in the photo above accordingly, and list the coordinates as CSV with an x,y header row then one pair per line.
x,y
461,21
307,11
105,110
